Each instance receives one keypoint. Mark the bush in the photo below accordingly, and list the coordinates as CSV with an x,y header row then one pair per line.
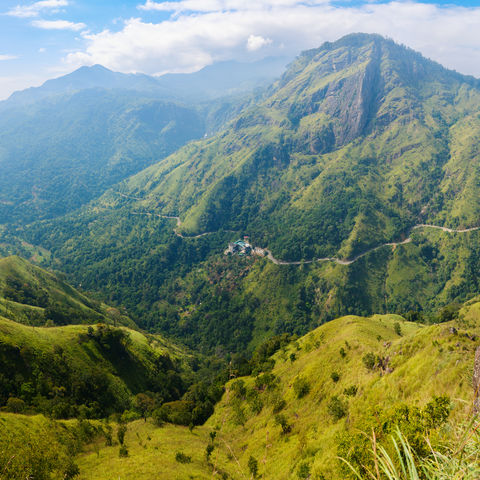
x,y
121,431
15,405
123,451
335,376
397,328
303,470
301,387
209,451
253,466
369,360
279,405
265,381
281,420
337,408
180,457
351,391
238,389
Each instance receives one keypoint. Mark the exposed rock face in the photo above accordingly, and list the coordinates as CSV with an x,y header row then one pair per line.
x,y
476,382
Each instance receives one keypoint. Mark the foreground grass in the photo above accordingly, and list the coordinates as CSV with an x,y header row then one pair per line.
x,y
151,454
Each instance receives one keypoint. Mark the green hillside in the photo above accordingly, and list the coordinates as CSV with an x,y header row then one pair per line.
x,y
319,398
357,143
33,296
85,371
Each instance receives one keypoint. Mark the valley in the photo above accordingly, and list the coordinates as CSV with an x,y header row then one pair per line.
x,y
338,339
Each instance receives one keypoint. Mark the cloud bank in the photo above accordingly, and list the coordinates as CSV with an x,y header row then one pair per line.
x,y
200,32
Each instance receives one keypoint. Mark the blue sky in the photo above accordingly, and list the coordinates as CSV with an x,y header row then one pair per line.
x,y
41,39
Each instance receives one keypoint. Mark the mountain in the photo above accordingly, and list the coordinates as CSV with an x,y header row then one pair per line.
x,y
60,152
64,143
224,78
359,155
95,76
356,142
218,80
55,365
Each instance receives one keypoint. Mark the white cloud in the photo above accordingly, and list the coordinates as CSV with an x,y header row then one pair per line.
x,y
7,57
58,25
33,10
200,32
255,42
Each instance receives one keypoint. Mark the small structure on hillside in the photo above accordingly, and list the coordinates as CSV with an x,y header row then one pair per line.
x,y
239,247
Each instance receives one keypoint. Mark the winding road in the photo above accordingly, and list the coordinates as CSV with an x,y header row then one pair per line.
x,y
339,261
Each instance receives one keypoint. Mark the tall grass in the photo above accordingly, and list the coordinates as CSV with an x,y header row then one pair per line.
x,y
460,463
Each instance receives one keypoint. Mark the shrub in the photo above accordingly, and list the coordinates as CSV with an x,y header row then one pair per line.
x,y
337,408
239,417
253,466
303,470
265,381
342,352
121,431
238,389
279,405
301,387
15,405
71,470
180,457
123,451
351,391
281,420
209,451
369,360
335,376
397,328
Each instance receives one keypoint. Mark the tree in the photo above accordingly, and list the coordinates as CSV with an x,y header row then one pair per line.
x,y
398,329
144,404
121,431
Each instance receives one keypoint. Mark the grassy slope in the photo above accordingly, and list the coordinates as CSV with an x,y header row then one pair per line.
x,y
127,374
426,361
58,292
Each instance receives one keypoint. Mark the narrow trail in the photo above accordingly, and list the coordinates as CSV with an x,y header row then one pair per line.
x,y
340,261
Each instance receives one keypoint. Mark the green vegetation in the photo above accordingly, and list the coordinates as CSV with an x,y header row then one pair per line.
x,y
360,140
75,145
37,297
80,371
294,436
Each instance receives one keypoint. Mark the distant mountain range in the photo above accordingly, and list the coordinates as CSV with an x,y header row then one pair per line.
x,y
66,142
214,81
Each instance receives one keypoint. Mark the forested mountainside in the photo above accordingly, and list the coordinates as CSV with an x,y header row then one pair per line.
x,y
66,142
36,297
62,151
361,144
